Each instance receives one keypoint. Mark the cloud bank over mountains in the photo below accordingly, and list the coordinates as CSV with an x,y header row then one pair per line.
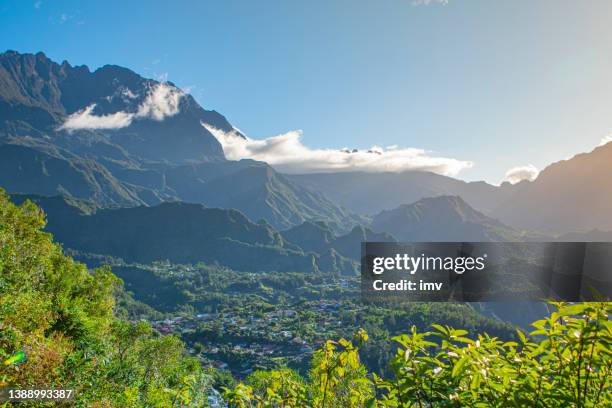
x,y
161,101
285,152
288,154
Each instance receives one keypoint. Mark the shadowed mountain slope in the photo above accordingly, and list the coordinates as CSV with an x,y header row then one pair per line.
x,y
568,196
180,233
319,237
444,218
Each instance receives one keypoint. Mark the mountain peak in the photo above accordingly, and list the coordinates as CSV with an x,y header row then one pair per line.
x,y
447,199
118,73
442,218
17,54
449,206
149,119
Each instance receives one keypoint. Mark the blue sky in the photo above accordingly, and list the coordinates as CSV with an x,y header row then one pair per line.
x,y
501,84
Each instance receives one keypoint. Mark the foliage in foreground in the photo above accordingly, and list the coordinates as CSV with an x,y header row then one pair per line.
x,y
62,317
565,362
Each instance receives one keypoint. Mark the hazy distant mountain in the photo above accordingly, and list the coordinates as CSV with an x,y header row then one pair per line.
x,y
370,193
443,218
180,233
570,195
567,196
116,138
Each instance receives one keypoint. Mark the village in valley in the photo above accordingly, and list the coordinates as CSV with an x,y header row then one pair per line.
x,y
284,335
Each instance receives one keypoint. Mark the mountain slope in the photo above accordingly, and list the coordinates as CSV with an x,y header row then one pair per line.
x,y
257,190
319,237
444,218
178,232
37,170
313,237
567,196
349,244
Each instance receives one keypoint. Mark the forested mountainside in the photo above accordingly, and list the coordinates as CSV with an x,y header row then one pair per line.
x,y
182,233
192,233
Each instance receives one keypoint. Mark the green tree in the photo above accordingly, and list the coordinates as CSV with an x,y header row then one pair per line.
x,y
61,316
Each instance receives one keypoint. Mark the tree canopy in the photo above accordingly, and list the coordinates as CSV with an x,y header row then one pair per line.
x,y
61,317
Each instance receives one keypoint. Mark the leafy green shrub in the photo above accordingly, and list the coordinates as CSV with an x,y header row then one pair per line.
x,y
564,362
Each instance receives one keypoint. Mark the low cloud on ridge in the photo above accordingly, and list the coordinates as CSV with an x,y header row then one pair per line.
x,y
520,173
85,119
161,101
605,140
288,154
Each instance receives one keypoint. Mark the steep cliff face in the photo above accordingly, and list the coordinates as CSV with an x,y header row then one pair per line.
x,y
151,120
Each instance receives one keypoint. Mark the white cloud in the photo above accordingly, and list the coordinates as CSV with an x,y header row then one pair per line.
x,y
605,140
161,101
85,119
416,3
520,173
288,154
